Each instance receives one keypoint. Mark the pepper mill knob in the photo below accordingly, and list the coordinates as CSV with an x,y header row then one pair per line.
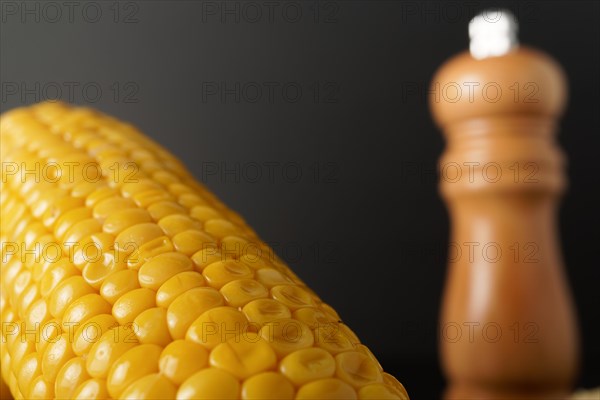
x,y
497,77
507,326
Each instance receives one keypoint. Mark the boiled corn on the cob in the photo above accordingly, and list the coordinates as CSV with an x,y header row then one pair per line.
x,y
123,277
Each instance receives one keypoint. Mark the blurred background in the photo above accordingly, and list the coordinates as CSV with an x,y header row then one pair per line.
x,y
310,118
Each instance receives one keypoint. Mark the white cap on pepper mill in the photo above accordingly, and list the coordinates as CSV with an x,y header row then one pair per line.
x,y
493,33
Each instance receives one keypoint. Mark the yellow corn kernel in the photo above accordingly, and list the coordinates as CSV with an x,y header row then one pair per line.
x,y
365,350
14,386
101,193
287,335
163,177
27,298
323,389
222,272
293,297
166,294
149,250
207,256
66,292
240,292
146,199
59,207
150,387
84,308
40,388
33,233
216,326
131,366
188,306
68,219
80,230
220,228
96,271
108,206
56,354
271,277
90,332
176,285
120,220
136,236
306,365
103,241
257,262
239,247
175,223
161,209
331,338
21,283
70,376
267,386
84,189
346,331
162,267
10,272
395,385
330,311
313,317
209,384
181,359
204,213
378,391
48,334
37,314
151,327
108,349
178,189
29,369
190,241
39,208
130,189
132,303
20,350
190,200
262,311
244,356
357,369
92,389
46,253
119,283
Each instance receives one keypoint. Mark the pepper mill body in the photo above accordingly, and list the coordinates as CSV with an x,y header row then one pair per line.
x,y
507,325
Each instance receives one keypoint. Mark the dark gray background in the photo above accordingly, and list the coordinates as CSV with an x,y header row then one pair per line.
x,y
360,226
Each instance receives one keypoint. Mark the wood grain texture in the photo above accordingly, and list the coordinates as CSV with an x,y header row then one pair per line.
x,y
508,328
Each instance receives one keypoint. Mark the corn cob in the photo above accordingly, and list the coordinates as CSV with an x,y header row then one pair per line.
x,y
123,277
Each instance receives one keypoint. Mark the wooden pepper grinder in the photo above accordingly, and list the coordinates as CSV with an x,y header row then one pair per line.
x,y
507,328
